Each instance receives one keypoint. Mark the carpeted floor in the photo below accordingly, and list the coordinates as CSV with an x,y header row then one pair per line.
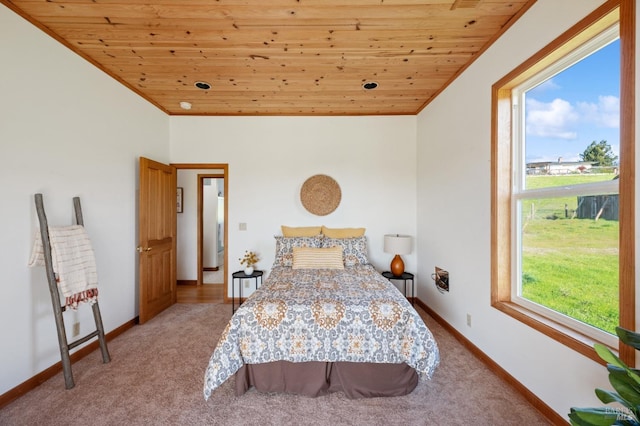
x,y
156,378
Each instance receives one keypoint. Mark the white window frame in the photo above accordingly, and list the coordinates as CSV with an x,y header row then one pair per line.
x,y
520,193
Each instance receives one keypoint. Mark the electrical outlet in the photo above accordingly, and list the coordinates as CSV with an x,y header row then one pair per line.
x,y
76,329
246,283
442,279
469,320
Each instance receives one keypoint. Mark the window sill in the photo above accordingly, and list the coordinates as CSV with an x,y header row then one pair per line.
x,y
555,330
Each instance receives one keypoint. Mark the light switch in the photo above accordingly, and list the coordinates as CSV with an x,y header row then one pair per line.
x,y
243,226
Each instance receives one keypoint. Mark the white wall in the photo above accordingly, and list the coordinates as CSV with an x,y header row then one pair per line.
x,y
371,158
66,129
454,213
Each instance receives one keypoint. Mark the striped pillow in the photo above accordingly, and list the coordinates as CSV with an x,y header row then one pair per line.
x,y
317,258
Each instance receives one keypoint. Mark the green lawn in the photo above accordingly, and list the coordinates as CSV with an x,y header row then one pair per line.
x,y
546,181
570,265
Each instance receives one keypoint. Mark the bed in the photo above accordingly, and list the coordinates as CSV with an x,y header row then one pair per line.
x,y
324,321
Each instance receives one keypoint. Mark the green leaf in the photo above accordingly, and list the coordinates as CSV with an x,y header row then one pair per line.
x,y
604,416
629,337
608,397
608,356
624,372
625,390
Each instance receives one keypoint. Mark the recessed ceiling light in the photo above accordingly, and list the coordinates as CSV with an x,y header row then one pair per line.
x,y
185,105
369,85
202,85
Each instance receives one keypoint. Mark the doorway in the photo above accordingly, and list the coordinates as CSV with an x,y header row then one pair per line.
x,y
211,225
202,233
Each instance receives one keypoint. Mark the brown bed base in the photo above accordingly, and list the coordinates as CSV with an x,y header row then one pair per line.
x,y
356,380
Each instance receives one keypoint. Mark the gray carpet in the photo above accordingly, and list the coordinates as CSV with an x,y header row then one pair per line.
x,y
156,378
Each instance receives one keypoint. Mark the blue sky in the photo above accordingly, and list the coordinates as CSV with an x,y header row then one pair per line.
x,y
574,108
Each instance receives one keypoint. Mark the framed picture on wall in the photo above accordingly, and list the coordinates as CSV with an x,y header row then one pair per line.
x,y
179,200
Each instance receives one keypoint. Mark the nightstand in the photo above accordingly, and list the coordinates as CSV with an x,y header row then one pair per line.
x,y
406,276
240,275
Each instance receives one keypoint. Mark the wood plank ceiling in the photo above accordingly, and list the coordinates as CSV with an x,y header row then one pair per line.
x,y
277,57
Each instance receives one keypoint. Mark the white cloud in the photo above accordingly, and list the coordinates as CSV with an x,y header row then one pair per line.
x,y
554,119
606,113
560,119
547,85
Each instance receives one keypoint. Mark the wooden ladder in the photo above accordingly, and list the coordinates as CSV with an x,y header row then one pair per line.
x,y
58,309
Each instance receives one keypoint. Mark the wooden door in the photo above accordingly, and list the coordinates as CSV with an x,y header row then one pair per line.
x,y
157,238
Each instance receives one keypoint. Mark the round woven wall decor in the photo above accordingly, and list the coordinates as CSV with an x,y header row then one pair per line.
x,y
320,195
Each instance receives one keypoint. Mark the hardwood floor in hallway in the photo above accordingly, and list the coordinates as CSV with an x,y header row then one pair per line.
x,y
207,293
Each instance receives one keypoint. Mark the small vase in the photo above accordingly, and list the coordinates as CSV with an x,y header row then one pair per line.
x,y
248,270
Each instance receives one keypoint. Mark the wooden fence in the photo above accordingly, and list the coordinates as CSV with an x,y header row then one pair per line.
x,y
597,206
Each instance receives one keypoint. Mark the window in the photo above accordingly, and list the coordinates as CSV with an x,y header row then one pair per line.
x,y
566,226
559,160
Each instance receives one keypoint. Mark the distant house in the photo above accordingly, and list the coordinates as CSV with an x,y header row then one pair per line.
x,y
558,167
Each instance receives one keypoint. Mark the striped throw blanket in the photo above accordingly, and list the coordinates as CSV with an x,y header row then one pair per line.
x,y
73,262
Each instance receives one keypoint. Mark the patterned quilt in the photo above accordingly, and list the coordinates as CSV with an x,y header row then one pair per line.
x,y
298,315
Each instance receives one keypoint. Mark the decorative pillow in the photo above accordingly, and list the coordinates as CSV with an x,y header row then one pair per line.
x,y
354,250
342,232
300,231
285,245
317,258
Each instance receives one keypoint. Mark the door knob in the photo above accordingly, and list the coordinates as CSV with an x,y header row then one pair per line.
x,y
140,249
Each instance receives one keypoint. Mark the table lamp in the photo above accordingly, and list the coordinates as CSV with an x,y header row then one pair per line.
x,y
397,244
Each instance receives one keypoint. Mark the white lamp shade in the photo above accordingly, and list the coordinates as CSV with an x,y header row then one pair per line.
x,y
397,244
